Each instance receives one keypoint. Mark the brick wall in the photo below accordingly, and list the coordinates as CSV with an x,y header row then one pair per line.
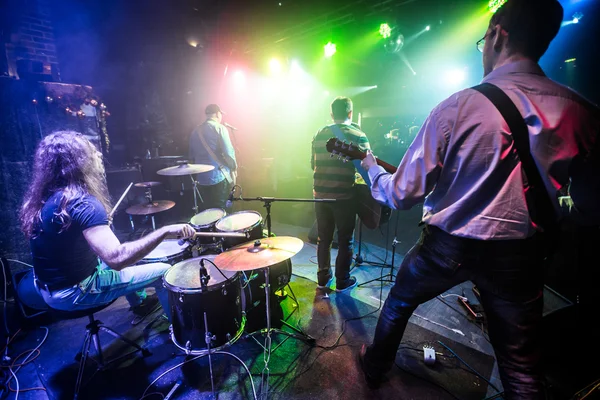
x,y
32,36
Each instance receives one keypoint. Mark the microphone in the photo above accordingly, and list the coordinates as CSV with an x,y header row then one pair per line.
x,y
204,277
233,128
229,201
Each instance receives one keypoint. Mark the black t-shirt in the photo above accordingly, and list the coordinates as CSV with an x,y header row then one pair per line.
x,y
64,259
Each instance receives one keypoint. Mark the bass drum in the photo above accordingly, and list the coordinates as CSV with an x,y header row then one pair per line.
x,y
248,222
254,287
168,251
220,300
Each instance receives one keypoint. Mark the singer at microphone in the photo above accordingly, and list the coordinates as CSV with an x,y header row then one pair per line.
x,y
210,144
233,128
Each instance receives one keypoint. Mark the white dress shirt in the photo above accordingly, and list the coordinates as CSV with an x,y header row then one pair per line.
x,y
463,163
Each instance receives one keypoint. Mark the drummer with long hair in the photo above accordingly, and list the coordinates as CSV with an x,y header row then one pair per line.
x,y
78,261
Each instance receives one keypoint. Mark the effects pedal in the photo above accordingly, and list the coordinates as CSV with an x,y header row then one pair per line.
x,y
473,310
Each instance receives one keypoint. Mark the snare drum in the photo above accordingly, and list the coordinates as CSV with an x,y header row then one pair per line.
x,y
205,222
248,222
168,251
220,299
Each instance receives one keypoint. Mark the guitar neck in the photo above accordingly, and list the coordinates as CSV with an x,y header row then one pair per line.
x,y
388,167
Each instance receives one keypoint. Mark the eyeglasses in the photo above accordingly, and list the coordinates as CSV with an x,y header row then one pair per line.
x,y
481,44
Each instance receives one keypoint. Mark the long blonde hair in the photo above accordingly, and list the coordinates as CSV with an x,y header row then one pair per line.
x,y
65,161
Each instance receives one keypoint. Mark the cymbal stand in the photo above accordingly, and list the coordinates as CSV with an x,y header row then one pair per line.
x,y
196,194
148,195
301,336
207,339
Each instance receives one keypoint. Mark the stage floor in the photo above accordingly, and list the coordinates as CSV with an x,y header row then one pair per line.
x,y
298,370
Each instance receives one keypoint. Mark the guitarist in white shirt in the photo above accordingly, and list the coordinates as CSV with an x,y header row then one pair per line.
x,y
482,215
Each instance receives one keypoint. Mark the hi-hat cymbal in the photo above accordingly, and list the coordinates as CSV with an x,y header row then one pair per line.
x,y
185,169
259,254
147,184
150,208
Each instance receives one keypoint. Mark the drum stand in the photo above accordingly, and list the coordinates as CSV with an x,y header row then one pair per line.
x,y
301,336
196,194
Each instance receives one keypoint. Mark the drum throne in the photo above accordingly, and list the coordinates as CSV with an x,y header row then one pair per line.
x,y
92,331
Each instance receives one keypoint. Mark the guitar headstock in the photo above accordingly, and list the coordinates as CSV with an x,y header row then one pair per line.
x,y
345,151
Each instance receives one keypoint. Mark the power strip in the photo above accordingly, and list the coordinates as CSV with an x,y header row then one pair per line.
x,y
428,355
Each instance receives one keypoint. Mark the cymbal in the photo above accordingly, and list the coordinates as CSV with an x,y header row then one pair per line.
x,y
185,169
147,184
268,252
150,208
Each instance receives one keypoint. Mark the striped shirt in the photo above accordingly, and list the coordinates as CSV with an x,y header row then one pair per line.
x,y
334,179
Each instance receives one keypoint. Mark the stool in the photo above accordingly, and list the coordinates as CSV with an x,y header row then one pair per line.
x,y
91,334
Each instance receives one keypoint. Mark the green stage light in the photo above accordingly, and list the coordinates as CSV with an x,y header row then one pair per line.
x,y
385,31
494,5
330,49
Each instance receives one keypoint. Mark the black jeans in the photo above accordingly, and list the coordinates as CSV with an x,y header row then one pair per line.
x,y
509,275
341,214
214,196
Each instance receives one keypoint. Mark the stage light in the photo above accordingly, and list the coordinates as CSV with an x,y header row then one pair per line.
x,y
275,66
494,5
577,17
385,31
239,76
455,77
570,60
330,49
394,44
427,28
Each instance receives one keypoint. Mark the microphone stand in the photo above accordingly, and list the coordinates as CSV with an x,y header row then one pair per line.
x,y
268,200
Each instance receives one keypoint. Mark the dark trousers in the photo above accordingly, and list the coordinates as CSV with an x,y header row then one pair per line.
x,y
509,275
341,214
214,196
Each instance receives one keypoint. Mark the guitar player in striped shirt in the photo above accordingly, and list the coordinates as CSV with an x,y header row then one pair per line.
x,y
334,179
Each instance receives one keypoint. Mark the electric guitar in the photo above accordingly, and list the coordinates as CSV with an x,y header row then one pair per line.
x,y
371,213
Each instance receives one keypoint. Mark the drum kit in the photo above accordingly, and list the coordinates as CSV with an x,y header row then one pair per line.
x,y
217,275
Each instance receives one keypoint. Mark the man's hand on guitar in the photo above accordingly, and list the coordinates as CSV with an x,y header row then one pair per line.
x,y
368,161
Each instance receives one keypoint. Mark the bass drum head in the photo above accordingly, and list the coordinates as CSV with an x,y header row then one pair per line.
x,y
207,217
186,274
239,221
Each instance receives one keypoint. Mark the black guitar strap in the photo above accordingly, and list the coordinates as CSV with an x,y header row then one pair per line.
x,y
542,212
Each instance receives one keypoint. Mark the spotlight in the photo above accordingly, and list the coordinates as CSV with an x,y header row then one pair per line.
x,y
275,66
385,31
330,49
427,28
395,44
455,77
494,5
577,17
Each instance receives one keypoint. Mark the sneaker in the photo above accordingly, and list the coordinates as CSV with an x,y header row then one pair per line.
x,y
373,380
326,285
349,284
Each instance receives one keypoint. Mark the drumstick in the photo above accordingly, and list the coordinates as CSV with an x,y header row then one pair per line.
x,y
120,200
225,234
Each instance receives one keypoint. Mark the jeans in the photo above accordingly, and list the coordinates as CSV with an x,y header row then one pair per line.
x,y
509,275
214,196
106,285
341,214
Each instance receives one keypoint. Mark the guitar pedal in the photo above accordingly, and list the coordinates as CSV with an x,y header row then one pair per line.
x,y
473,310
